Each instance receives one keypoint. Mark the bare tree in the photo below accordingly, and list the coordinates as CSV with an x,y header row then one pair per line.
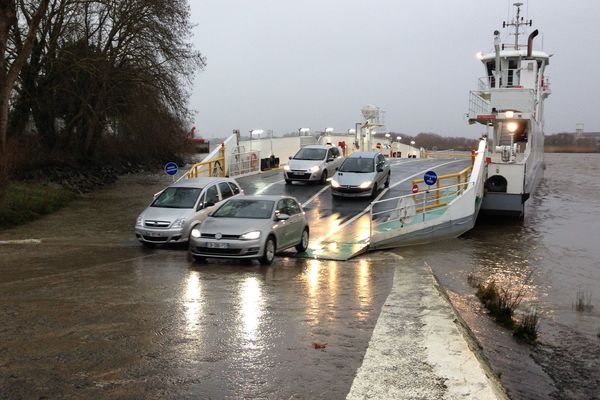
x,y
11,62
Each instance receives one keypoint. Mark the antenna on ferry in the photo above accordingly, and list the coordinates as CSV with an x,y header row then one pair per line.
x,y
517,22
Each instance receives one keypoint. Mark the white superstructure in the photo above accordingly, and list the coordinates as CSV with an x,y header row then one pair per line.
x,y
509,101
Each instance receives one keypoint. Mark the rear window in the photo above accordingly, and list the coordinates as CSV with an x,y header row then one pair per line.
x,y
244,208
177,197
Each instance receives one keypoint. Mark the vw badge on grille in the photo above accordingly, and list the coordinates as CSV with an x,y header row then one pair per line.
x,y
218,236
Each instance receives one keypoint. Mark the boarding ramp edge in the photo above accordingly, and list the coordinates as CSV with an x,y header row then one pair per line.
x,y
432,214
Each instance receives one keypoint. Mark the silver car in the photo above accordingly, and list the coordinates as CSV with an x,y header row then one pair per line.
x,y
313,163
175,210
251,227
361,175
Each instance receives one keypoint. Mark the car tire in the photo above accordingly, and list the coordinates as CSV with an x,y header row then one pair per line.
x,y
303,245
387,181
374,191
288,182
324,176
269,251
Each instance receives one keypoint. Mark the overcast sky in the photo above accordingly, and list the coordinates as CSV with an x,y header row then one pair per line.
x,y
283,64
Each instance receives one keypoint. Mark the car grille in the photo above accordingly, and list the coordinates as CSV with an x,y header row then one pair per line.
x,y
295,174
157,224
351,189
155,239
212,236
208,250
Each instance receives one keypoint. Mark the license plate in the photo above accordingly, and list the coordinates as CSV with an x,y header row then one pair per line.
x,y
217,245
153,234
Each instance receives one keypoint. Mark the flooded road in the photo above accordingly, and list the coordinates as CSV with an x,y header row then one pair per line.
x,y
88,312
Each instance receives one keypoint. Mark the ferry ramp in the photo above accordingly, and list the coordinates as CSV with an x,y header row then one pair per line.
x,y
341,228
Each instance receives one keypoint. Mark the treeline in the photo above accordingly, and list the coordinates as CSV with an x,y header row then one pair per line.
x,y
433,141
571,143
85,80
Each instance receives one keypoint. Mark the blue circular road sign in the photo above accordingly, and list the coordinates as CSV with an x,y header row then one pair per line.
x,y
171,168
430,178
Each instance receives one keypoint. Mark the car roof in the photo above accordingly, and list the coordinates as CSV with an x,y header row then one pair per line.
x,y
265,197
200,182
318,146
363,154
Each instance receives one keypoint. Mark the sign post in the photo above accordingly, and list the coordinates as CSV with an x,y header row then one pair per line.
x,y
171,169
430,178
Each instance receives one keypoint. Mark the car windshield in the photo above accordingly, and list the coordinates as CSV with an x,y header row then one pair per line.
x,y
243,208
357,164
310,154
177,197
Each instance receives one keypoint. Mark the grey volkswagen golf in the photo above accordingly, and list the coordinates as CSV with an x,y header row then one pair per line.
x,y
251,227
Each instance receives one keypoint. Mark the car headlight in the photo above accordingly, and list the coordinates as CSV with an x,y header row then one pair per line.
x,y
335,183
195,233
250,235
178,223
365,184
316,168
286,167
140,221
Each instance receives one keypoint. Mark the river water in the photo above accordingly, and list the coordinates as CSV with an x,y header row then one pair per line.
x,y
552,258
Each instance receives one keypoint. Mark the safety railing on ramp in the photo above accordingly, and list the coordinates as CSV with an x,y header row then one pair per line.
x,y
431,214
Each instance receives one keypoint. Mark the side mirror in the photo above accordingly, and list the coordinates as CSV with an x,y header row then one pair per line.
x,y
330,159
282,217
379,168
290,157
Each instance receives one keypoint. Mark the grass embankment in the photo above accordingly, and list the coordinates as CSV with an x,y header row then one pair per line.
x,y
21,202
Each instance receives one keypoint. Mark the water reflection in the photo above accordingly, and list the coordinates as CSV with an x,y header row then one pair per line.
x,y
252,309
363,289
192,301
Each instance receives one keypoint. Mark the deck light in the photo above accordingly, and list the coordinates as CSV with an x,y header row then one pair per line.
x,y
509,114
328,130
512,126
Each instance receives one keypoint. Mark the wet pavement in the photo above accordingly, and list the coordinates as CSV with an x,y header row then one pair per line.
x,y
87,312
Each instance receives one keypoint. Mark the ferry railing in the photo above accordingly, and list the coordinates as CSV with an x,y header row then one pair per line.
x,y
244,163
478,105
411,209
214,167
461,177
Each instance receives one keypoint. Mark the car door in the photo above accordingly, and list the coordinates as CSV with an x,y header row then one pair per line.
x,y
381,175
282,227
296,221
225,190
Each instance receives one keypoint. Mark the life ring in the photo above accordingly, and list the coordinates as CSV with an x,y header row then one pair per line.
x,y
253,161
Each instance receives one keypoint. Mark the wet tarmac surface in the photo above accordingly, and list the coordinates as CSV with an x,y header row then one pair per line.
x,y
88,312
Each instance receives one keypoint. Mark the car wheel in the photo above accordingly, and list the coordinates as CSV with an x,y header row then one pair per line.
x,y
387,181
303,245
324,176
374,191
288,182
269,252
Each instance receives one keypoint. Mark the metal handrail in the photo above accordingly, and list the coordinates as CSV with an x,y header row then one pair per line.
x,y
214,167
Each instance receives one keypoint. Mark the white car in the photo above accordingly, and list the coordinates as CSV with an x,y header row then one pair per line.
x,y
362,174
175,210
313,163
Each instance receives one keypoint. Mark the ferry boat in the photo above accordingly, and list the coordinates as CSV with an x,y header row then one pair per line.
x,y
509,102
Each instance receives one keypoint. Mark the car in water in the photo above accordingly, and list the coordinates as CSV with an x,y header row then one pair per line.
x,y
182,205
361,175
251,227
313,163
